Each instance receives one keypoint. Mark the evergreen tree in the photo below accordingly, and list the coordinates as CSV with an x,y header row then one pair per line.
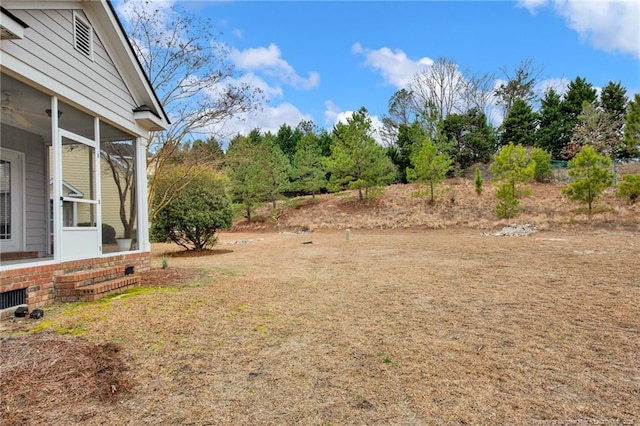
x,y
277,172
631,141
324,142
590,175
550,134
287,140
429,166
510,167
520,125
613,100
209,151
629,188
409,136
543,171
247,170
356,160
579,94
307,172
472,139
478,181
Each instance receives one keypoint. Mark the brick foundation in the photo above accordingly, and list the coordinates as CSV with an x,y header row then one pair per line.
x,y
39,280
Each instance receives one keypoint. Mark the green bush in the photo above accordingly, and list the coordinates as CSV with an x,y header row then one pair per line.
x,y
590,175
543,171
511,168
194,216
629,188
478,181
508,204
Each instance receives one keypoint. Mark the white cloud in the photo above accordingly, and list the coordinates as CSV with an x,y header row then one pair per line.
x,y
395,66
268,60
609,25
268,119
161,12
560,85
533,5
334,115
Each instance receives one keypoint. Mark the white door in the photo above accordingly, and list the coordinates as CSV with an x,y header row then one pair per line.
x,y
11,201
81,238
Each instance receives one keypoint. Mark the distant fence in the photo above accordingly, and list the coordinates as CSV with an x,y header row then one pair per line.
x,y
621,166
560,170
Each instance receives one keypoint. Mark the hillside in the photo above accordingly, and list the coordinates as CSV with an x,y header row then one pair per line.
x,y
457,206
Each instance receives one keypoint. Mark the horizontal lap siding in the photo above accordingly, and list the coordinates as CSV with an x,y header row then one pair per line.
x,y
48,47
35,185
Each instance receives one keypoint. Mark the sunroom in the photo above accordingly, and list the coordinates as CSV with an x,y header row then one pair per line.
x,y
76,114
67,180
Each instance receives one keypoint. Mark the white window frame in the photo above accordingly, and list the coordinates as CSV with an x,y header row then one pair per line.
x,y
17,242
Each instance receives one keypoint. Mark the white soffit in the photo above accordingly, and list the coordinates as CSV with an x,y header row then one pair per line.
x,y
10,26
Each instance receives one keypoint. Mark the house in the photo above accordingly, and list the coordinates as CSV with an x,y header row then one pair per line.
x,y
76,114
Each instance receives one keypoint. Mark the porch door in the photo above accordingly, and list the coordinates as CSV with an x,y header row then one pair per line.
x,y
81,237
11,202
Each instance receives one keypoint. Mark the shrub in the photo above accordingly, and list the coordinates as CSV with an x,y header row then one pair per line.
x,y
507,207
511,167
194,216
590,173
478,181
108,234
629,188
543,171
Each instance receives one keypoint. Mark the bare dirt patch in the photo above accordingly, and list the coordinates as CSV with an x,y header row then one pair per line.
x,y
392,327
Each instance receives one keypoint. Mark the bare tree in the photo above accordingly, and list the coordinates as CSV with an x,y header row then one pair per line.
x,y
519,85
195,82
120,157
440,87
478,91
401,111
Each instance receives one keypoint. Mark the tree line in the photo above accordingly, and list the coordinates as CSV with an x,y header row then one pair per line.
x,y
436,126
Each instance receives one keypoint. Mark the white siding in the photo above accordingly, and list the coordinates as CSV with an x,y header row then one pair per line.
x,y
48,47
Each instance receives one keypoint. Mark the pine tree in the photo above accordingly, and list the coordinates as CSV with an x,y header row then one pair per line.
x,y
520,125
579,94
631,141
277,170
511,167
356,160
590,175
247,168
429,166
550,133
307,172
613,100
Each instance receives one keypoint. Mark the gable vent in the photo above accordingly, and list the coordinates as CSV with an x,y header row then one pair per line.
x,y
82,36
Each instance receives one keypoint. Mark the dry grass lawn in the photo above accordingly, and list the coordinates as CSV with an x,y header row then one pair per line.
x,y
410,326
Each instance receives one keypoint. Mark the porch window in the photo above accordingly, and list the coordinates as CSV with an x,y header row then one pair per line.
x,y
80,172
118,189
5,200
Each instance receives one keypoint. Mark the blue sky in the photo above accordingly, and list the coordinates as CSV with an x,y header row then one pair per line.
x,y
321,60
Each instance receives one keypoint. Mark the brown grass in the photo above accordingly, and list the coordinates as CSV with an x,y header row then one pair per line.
x,y
457,206
413,325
